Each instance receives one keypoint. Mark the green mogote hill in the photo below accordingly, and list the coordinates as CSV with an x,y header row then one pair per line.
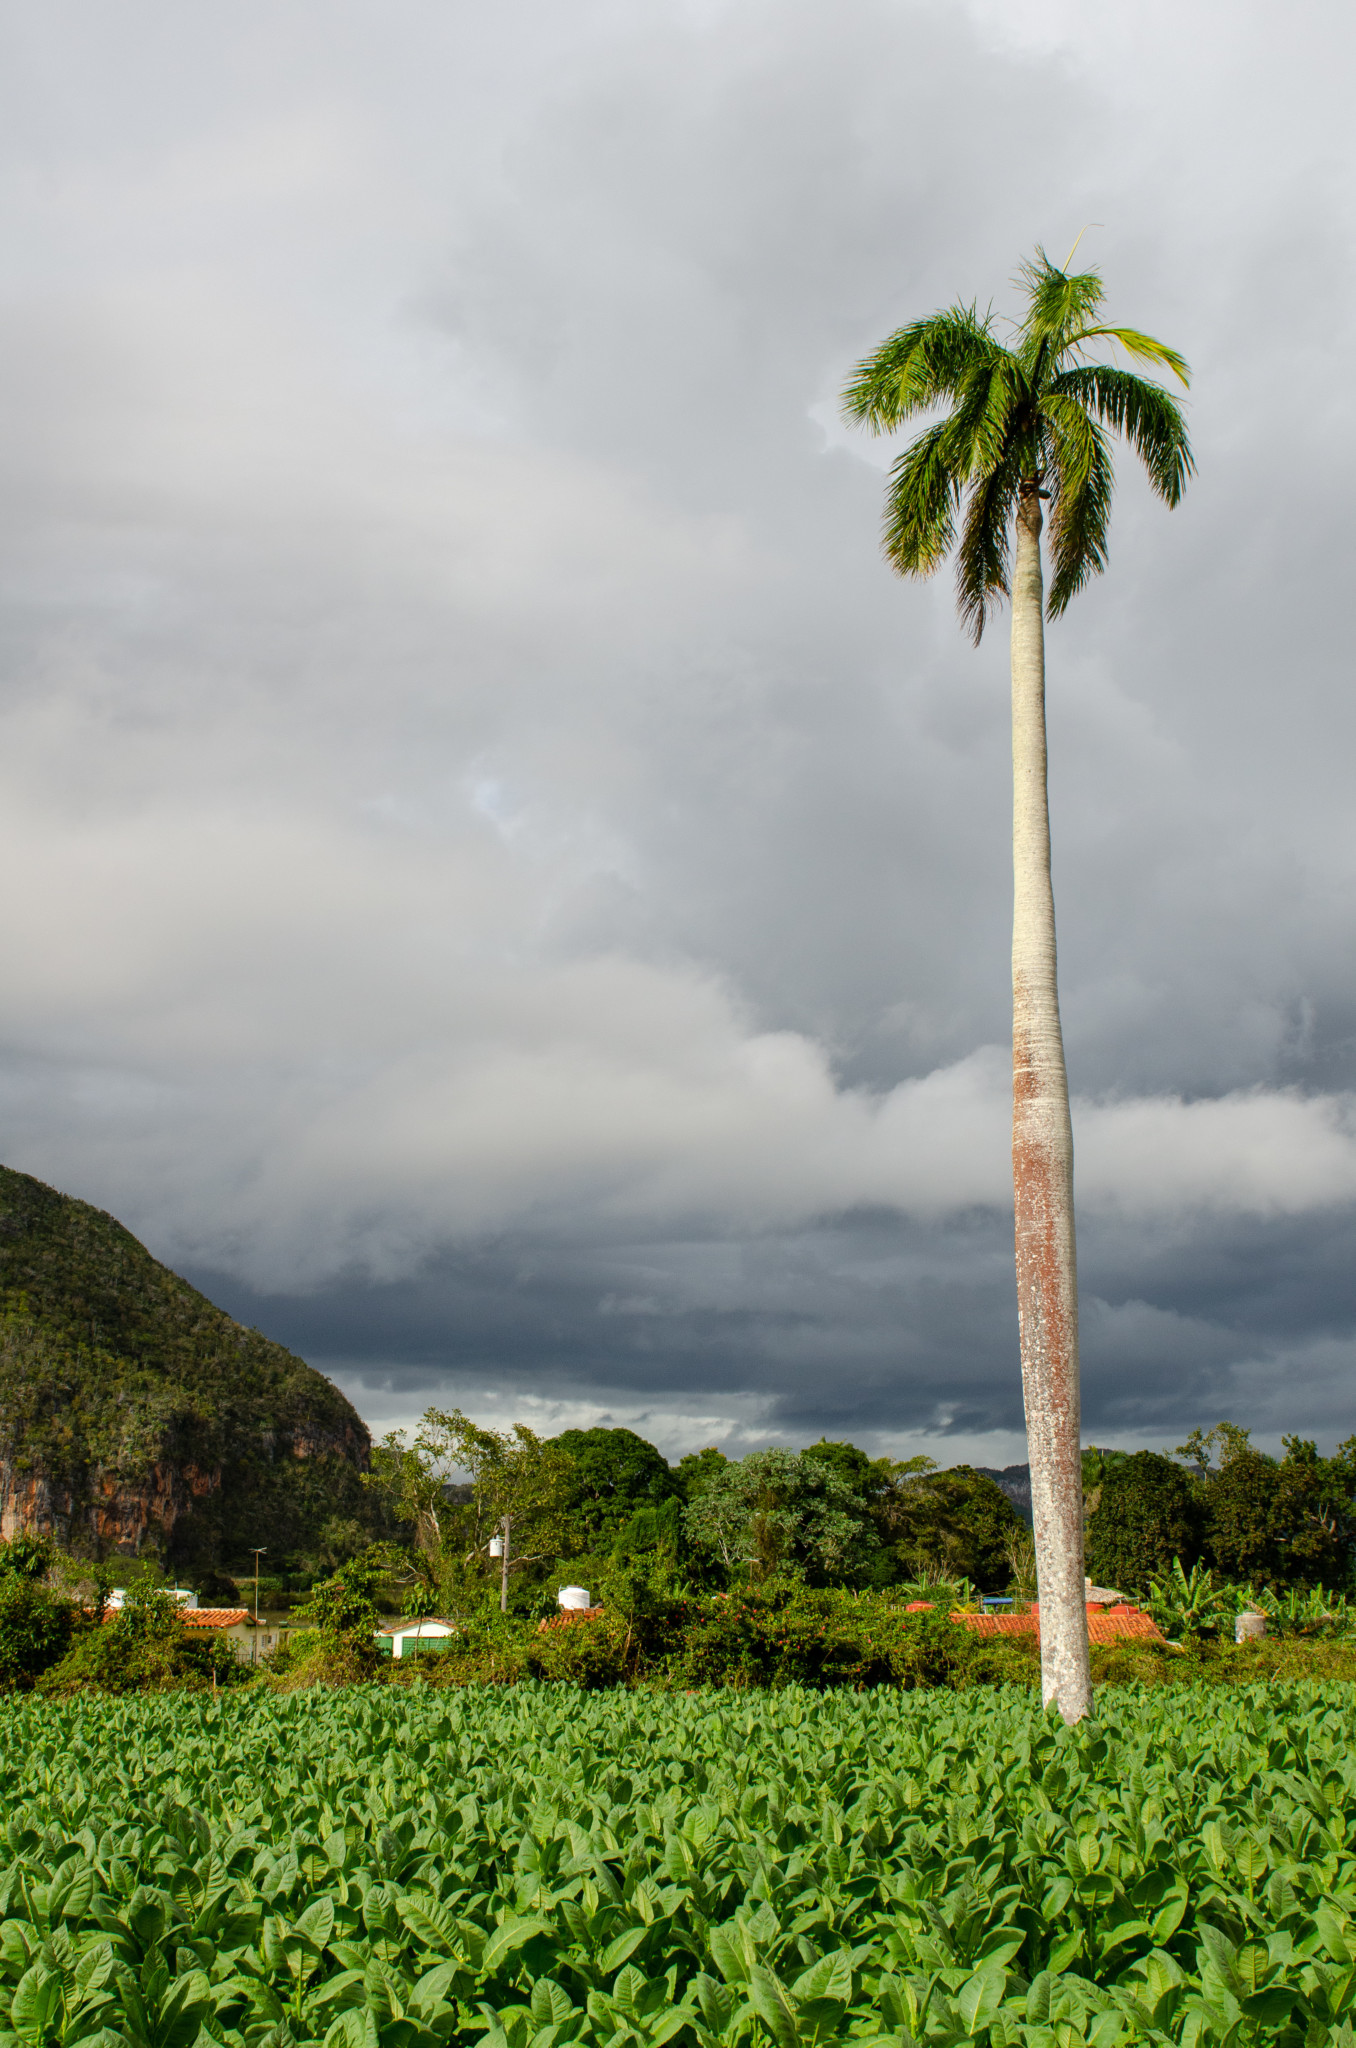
x,y
136,1417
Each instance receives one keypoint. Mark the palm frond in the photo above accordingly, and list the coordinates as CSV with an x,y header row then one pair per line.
x,y
1038,411
984,424
1142,346
918,367
982,557
1144,413
977,428
1058,303
1079,477
920,505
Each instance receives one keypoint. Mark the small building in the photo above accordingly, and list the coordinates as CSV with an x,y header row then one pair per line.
x,y
568,1616
417,1637
251,1639
185,1596
1105,1624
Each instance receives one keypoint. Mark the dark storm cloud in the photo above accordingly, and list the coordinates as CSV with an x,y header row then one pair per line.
x,y
511,893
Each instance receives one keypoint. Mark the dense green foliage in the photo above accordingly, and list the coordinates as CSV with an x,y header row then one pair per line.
x,y
36,1624
766,1637
1145,1513
389,1869
614,1476
1287,1523
133,1412
144,1647
604,1509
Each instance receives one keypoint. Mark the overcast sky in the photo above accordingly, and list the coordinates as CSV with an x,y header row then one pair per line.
x,y
504,888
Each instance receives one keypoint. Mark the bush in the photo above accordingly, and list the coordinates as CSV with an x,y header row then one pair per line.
x,y
592,1653
774,1636
343,1613
36,1626
145,1647
490,1650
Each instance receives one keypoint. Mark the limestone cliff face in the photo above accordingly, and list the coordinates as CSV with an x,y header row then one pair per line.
x,y
135,1414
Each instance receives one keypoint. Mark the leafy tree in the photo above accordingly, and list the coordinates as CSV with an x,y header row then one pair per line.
x,y
1226,1438
695,1471
517,1483
343,1612
614,1473
781,1514
1028,421
1148,1514
1268,1521
958,1522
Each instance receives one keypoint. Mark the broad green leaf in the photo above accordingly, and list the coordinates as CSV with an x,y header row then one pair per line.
x,y
769,2000
1271,2008
507,1939
429,1921
36,1997
729,1954
980,1997
622,1949
317,1922
830,1977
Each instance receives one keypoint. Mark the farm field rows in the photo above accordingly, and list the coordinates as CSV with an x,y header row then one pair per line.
x,y
534,1867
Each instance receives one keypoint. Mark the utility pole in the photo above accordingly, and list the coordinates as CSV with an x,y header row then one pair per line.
x,y
499,1547
261,1551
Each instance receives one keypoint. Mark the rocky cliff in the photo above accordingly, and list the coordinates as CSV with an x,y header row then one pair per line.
x,y
135,1415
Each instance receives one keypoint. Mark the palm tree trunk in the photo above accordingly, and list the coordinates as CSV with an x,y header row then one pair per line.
x,y
1042,1164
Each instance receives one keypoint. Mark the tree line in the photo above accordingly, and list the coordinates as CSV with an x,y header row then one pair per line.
x,y
603,1508
1288,1523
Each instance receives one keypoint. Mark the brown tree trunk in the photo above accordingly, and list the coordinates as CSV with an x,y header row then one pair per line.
x,y
1042,1164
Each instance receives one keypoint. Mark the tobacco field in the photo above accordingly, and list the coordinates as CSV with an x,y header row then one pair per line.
x,y
534,1867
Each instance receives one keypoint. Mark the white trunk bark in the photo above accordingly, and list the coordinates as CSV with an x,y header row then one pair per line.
x,y
1042,1165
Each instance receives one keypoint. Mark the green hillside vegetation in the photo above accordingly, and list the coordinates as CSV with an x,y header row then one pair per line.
x,y
136,1416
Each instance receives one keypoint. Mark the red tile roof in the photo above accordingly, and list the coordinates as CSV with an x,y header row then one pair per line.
x,y
213,1617
567,1615
1105,1624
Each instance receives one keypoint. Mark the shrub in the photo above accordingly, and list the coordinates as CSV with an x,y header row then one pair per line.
x,y
490,1649
791,1635
36,1626
343,1613
595,1652
145,1647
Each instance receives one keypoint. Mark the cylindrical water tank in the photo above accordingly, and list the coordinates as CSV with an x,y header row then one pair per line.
x,y
496,1546
1248,1626
573,1596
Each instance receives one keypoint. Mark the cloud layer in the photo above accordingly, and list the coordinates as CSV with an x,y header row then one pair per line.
x,y
503,885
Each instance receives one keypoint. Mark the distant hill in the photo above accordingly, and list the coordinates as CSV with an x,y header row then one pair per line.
x,y
1015,1481
135,1416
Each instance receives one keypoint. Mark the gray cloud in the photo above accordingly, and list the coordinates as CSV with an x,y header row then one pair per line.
x,y
505,887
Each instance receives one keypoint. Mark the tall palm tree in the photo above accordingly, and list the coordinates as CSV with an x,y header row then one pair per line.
x,y
1028,421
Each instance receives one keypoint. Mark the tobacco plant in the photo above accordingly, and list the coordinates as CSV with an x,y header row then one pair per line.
x,y
536,1867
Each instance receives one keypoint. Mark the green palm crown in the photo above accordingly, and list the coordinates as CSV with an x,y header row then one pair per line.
x,y
1033,417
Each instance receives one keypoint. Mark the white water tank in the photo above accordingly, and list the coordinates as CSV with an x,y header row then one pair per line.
x,y
573,1597
496,1546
